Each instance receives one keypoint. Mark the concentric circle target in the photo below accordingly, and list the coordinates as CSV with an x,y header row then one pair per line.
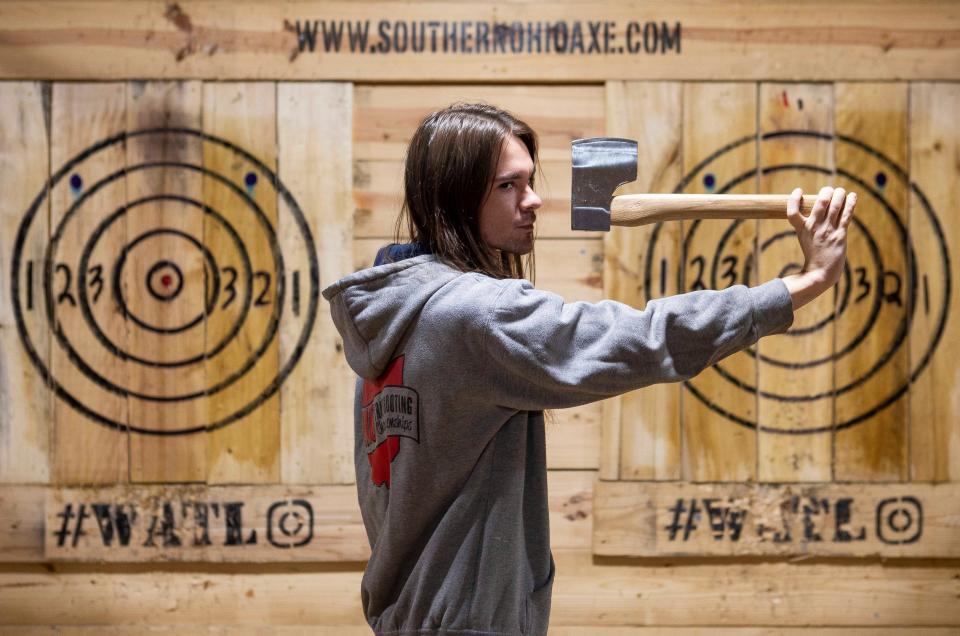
x,y
206,290
886,281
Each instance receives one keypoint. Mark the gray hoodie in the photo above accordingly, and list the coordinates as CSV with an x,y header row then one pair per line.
x,y
455,370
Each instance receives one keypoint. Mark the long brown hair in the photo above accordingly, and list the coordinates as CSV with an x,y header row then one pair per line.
x,y
448,174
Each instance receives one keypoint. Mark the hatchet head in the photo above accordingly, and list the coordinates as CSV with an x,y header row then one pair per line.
x,y
600,166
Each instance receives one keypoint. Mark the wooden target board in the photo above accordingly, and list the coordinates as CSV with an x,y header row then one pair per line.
x,y
161,304
158,298
844,420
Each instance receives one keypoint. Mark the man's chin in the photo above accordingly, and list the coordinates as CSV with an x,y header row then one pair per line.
x,y
520,250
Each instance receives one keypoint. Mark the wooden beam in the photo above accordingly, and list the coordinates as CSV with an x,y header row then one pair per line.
x,y
25,418
247,450
164,458
717,448
316,401
594,595
877,318
934,391
242,523
684,519
623,592
21,523
85,451
195,523
492,41
649,427
795,377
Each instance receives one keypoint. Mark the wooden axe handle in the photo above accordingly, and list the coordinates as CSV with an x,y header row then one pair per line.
x,y
641,209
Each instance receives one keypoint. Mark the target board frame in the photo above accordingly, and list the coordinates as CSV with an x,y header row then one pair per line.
x,y
22,292
942,295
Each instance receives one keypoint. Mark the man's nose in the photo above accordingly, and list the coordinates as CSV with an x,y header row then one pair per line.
x,y
531,201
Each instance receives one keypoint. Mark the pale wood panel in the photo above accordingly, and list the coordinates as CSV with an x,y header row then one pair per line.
x,y
715,448
749,40
595,595
84,451
651,113
934,405
610,431
781,456
26,400
21,523
572,268
165,458
136,599
725,519
876,448
387,116
314,133
573,437
780,594
247,450
570,502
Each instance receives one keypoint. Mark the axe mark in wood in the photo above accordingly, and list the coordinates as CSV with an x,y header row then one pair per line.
x,y
602,164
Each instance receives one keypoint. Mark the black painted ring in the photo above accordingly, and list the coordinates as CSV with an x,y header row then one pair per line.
x,y
164,297
911,282
871,319
91,319
82,364
792,332
898,339
121,262
283,373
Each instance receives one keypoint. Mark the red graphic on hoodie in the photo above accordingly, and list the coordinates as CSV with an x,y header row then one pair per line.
x,y
389,411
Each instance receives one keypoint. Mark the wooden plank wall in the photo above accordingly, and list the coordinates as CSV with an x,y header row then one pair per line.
x,y
504,41
350,198
846,397
874,415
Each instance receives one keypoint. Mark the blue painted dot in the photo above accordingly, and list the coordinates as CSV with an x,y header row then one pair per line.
x,y
881,179
709,181
76,182
250,179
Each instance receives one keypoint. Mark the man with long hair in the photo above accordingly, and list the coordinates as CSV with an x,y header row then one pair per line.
x,y
458,355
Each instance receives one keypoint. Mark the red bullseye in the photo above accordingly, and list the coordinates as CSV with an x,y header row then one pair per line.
x,y
164,280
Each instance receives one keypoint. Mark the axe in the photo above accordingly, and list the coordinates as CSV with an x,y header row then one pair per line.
x,y
602,164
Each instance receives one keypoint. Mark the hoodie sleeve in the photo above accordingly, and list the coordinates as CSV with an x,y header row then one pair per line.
x,y
545,353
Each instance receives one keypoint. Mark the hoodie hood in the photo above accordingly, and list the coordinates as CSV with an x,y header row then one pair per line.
x,y
374,308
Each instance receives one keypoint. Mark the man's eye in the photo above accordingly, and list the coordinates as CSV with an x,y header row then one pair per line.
x,y
506,185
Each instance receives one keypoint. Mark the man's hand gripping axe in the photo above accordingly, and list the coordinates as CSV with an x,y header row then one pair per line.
x,y
602,164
